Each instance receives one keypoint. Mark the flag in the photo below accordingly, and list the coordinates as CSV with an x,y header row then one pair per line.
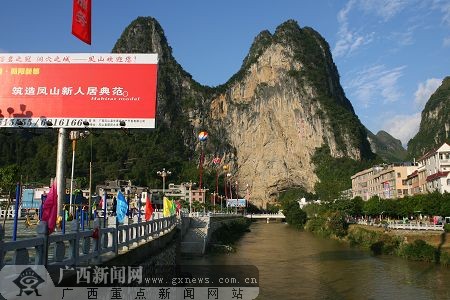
x,y
178,206
172,207
81,20
121,207
50,208
167,206
148,208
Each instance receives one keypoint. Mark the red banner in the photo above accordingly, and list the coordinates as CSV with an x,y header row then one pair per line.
x,y
71,89
81,20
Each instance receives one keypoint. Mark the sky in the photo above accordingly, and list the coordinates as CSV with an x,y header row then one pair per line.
x,y
391,54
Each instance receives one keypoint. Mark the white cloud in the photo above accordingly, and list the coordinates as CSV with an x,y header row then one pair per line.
x,y
405,38
376,82
385,9
425,90
446,42
348,40
444,7
403,127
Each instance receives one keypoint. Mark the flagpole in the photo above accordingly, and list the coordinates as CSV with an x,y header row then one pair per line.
x,y
74,136
139,207
60,169
16,211
104,209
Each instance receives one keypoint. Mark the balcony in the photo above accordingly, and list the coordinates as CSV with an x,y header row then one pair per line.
x,y
445,162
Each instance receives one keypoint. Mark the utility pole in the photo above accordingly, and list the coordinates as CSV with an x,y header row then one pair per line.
x,y
60,169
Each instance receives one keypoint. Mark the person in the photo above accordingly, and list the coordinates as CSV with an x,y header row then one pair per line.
x,y
27,222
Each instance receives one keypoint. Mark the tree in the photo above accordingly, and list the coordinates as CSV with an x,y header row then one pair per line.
x,y
9,176
294,215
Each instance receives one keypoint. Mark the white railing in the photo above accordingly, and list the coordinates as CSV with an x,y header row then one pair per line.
x,y
78,247
405,226
415,226
265,216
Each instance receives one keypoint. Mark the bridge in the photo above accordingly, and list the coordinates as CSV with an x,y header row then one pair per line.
x,y
92,246
278,215
133,242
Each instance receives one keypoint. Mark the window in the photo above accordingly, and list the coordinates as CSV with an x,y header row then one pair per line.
x,y
448,181
405,192
399,175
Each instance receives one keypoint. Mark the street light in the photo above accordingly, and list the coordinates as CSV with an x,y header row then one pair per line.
x,y
74,136
164,174
189,185
214,201
231,192
237,196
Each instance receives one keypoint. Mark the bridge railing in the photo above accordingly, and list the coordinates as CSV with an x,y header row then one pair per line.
x,y
80,247
404,226
269,215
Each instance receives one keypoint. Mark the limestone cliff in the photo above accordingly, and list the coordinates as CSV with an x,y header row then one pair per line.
x,y
269,118
284,103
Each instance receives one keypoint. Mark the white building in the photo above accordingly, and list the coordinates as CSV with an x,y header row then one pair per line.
x,y
436,165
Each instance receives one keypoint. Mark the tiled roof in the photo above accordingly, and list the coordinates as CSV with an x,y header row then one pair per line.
x,y
430,153
437,175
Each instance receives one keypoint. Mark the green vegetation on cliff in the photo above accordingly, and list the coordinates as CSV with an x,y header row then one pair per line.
x,y
435,123
335,173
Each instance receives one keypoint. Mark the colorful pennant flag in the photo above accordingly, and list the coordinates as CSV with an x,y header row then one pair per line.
x,y
148,208
167,207
121,207
50,208
81,20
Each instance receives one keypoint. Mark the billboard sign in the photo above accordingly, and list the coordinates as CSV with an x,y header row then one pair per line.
x,y
78,90
236,202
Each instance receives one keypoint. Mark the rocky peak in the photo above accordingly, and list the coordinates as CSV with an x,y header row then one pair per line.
x,y
434,127
386,146
261,42
285,102
270,117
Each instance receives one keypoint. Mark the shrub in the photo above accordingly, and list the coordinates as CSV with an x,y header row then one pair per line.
x,y
445,258
419,250
337,224
447,227
376,242
317,226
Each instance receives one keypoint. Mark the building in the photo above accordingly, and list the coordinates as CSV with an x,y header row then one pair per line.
x,y
435,168
184,191
384,181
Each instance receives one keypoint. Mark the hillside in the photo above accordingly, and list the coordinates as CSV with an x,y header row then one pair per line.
x,y
434,127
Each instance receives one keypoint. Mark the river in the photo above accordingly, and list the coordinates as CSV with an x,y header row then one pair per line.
x,y
298,265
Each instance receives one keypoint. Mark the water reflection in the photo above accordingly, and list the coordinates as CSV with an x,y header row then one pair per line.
x,y
298,265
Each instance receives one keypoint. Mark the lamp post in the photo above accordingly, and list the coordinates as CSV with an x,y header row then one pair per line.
x,y
164,174
237,196
231,191
189,185
247,197
214,201
74,136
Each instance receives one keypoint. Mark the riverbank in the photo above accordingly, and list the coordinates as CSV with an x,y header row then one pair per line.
x,y
412,245
223,239
434,238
